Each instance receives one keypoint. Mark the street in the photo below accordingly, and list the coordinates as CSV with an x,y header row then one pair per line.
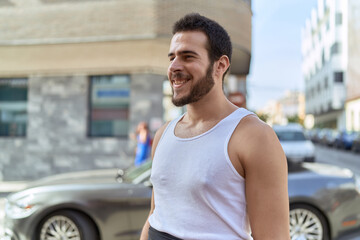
x,y
323,154
341,158
338,157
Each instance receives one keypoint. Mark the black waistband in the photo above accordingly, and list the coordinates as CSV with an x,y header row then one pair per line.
x,y
157,235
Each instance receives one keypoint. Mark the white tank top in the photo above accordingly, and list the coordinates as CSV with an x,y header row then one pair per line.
x,y
198,193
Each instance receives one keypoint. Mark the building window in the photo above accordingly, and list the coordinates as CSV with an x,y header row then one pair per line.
x,y
335,49
339,77
13,107
338,19
109,106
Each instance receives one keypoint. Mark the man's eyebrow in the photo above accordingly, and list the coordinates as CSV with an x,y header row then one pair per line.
x,y
183,52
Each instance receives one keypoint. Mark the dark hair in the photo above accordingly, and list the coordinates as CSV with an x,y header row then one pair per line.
x,y
219,42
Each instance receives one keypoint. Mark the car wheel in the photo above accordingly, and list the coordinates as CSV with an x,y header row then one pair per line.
x,y
307,222
67,225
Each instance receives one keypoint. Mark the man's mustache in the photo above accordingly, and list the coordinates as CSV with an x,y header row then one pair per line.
x,y
179,75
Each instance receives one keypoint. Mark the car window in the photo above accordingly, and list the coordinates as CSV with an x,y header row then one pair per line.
x,y
291,136
133,173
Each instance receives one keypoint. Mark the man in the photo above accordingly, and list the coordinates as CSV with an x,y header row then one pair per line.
x,y
219,173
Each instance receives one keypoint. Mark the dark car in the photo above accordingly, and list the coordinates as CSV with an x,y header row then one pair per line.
x,y
107,205
344,139
356,143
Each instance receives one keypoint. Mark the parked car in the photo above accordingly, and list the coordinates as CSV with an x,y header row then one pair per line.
x,y
356,143
90,205
321,136
111,205
327,136
313,135
296,146
344,140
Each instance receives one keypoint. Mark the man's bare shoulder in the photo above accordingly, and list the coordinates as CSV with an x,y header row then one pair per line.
x,y
257,140
251,127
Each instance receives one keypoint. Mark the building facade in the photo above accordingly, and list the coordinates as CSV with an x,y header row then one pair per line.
x,y
291,106
352,106
329,57
76,77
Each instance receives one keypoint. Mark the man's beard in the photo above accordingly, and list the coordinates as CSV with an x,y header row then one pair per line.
x,y
200,89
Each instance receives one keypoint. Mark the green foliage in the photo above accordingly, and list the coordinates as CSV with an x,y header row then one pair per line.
x,y
295,119
264,117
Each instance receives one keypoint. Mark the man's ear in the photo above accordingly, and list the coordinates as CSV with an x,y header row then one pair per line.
x,y
221,66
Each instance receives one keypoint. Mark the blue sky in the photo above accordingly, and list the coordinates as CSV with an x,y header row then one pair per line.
x,y
276,49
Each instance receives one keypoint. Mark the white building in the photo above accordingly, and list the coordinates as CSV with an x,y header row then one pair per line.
x,y
328,39
290,105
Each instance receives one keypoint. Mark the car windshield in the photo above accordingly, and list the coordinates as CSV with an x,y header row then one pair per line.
x,y
291,136
134,173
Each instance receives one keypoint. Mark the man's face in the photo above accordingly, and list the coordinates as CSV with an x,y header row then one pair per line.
x,y
190,71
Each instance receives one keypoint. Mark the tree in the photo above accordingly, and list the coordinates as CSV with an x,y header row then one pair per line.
x,y
295,119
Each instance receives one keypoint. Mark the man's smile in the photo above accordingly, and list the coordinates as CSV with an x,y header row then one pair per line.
x,y
179,79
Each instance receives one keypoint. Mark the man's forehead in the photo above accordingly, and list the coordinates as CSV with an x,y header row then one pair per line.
x,y
188,39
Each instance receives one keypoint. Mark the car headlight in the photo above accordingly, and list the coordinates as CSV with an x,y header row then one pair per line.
x,y
21,208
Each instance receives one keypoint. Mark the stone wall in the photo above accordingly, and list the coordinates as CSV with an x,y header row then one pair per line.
x,y
57,139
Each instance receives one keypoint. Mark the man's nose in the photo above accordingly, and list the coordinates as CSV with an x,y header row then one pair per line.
x,y
176,65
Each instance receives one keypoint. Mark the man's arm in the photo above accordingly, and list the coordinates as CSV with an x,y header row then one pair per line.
x,y
145,231
265,170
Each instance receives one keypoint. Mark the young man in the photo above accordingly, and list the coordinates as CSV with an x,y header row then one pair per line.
x,y
219,173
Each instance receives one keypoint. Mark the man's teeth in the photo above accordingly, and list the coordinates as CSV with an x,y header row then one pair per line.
x,y
179,81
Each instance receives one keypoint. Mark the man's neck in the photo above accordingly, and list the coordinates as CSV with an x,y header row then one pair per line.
x,y
212,107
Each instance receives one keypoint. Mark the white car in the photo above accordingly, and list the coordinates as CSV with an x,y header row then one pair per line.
x,y
296,146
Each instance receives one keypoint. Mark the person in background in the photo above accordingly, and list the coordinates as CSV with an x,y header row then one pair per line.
x,y
218,171
143,147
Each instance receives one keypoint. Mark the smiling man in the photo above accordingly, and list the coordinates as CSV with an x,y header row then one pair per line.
x,y
219,173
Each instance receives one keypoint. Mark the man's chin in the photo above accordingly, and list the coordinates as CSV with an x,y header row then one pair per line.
x,y
180,102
